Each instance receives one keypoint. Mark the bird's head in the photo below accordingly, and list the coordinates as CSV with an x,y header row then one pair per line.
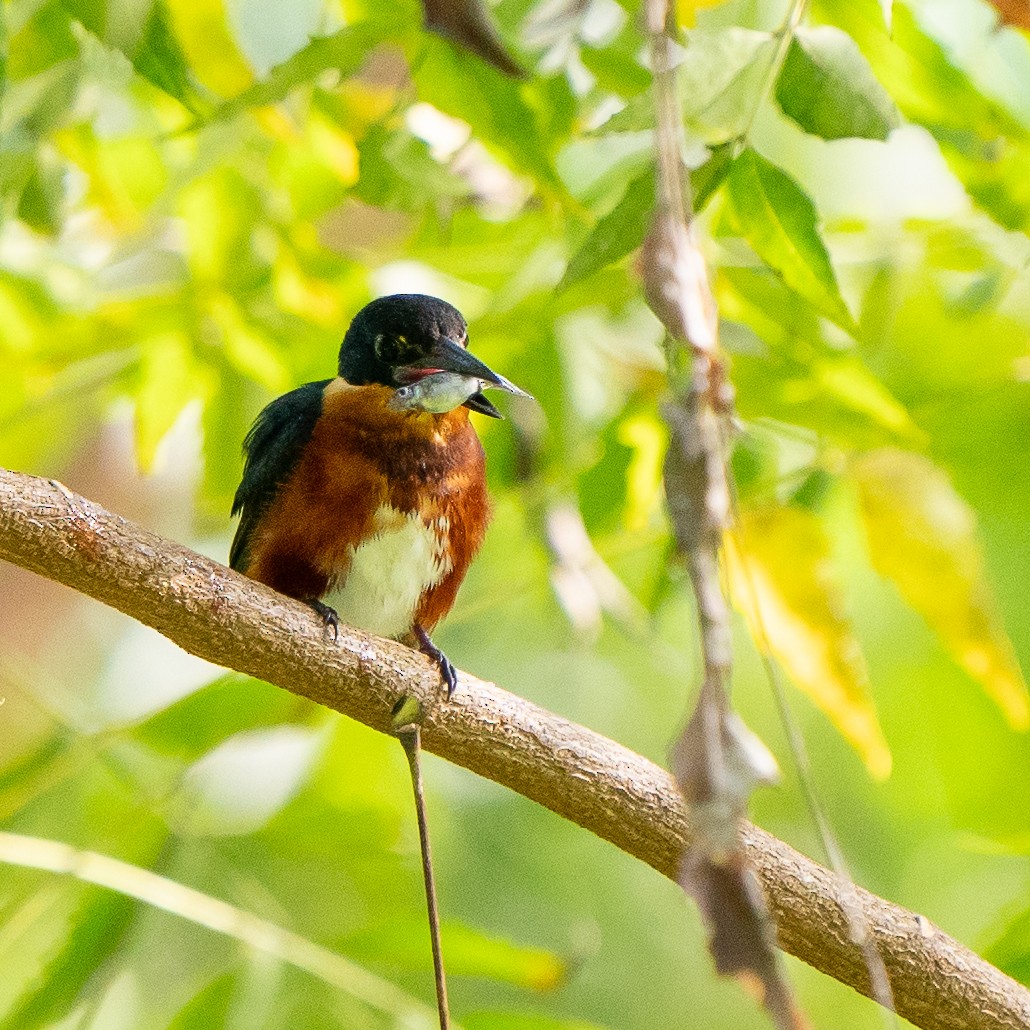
x,y
401,339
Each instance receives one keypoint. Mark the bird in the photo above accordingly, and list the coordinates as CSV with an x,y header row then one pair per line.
x,y
364,496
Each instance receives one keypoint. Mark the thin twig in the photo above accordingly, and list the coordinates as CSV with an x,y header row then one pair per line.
x,y
410,736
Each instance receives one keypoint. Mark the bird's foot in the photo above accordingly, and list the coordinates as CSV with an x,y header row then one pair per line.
x,y
328,616
448,674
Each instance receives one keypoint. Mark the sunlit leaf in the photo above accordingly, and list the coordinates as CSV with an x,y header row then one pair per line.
x,y
780,222
923,536
686,10
781,580
342,52
125,175
647,437
168,379
828,88
202,29
219,211
850,384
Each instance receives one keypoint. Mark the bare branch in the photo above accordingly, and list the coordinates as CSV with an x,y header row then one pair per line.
x,y
582,776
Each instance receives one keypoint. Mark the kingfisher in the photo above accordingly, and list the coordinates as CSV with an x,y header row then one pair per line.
x,y
364,496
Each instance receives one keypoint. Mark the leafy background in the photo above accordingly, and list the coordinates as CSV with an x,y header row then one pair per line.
x,y
197,197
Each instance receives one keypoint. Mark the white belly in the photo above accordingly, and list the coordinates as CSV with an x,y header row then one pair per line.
x,y
390,571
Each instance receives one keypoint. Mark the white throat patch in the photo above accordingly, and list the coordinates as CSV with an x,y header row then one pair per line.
x,y
390,571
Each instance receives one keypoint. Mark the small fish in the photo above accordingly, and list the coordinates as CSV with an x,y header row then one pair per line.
x,y
438,393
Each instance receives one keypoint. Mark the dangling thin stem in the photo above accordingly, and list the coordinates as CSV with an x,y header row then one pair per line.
x,y
409,734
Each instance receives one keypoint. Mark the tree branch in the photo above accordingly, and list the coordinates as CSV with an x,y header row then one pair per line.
x,y
212,612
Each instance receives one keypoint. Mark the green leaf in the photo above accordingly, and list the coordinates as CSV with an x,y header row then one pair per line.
x,y
31,775
40,204
623,228
1010,950
779,221
159,59
146,41
828,88
620,73
707,178
227,706
720,77
618,233
515,118
42,41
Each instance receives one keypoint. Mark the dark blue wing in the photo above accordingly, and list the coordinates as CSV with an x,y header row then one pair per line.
x,y
272,448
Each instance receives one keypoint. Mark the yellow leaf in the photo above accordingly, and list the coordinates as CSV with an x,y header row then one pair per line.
x,y
922,535
202,29
782,583
649,440
686,10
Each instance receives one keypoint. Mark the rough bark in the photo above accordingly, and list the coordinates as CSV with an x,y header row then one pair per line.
x,y
212,612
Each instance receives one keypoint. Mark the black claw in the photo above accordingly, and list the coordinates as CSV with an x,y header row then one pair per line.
x,y
328,616
448,674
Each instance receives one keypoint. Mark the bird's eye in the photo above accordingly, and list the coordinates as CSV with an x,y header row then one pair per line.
x,y
405,392
386,348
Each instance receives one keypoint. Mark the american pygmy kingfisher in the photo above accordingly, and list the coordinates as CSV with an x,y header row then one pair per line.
x,y
365,495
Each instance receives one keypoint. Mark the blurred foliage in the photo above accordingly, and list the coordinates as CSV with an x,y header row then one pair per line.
x,y
197,196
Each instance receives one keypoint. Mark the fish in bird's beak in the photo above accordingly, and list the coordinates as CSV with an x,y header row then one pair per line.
x,y
447,377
